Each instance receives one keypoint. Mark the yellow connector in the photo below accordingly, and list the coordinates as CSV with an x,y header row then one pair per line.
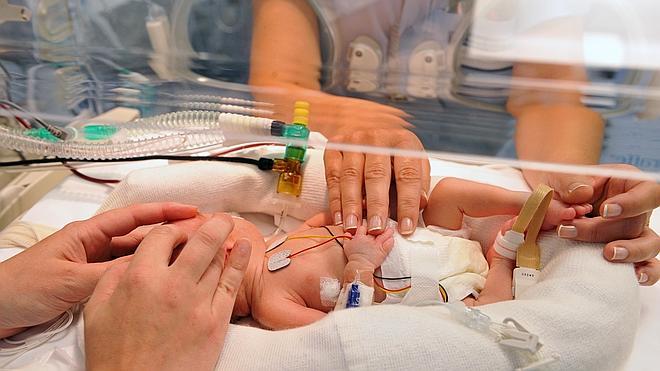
x,y
290,180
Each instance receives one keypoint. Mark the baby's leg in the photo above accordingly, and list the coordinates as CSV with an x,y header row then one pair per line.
x,y
498,283
452,198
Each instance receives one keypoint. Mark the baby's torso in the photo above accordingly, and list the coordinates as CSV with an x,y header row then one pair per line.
x,y
312,276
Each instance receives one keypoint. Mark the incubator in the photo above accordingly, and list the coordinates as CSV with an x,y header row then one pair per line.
x,y
91,91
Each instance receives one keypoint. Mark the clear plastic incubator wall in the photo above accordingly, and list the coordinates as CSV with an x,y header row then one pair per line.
x,y
542,87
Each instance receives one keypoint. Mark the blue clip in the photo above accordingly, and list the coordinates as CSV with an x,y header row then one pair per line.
x,y
353,300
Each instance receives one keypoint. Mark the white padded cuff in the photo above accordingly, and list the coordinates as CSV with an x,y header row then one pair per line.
x,y
507,245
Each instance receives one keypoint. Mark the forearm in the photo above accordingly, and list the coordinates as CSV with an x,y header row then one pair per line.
x,y
567,134
553,125
363,271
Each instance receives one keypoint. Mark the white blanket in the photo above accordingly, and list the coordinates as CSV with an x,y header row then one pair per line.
x,y
585,310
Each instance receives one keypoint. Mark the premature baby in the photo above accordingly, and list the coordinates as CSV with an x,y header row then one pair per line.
x,y
292,295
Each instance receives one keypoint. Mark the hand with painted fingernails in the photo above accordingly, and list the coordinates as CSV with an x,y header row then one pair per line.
x,y
62,270
358,181
160,312
622,209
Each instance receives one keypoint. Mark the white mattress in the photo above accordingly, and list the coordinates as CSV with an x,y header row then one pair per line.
x,y
75,199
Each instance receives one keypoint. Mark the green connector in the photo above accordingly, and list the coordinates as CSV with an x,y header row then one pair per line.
x,y
99,131
41,133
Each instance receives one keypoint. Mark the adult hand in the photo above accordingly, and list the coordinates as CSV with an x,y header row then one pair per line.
x,y
623,209
149,314
353,176
62,270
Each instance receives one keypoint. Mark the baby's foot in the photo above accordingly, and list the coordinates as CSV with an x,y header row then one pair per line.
x,y
559,212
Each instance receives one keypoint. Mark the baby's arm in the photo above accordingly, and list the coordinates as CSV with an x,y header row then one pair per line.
x,y
452,198
365,253
285,313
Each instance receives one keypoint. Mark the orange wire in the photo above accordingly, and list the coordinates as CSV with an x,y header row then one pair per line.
x,y
318,244
394,291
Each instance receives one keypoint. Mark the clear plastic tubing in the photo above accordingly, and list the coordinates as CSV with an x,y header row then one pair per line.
x,y
203,120
168,143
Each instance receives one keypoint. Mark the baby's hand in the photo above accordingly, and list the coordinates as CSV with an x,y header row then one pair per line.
x,y
368,249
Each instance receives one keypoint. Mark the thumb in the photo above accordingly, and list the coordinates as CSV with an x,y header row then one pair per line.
x,y
109,279
232,276
572,188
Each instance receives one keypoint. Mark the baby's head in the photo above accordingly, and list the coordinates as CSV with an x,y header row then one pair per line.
x,y
242,230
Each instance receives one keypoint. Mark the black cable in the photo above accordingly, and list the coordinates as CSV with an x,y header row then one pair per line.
x,y
392,278
262,163
333,235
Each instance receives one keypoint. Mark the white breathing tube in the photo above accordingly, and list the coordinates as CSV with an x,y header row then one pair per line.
x,y
167,133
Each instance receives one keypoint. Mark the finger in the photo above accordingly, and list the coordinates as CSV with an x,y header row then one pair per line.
x,y
209,280
119,222
333,163
351,190
385,235
198,253
648,273
645,247
361,231
572,188
106,286
232,276
602,230
125,245
377,179
157,246
640,199
426,184
408,175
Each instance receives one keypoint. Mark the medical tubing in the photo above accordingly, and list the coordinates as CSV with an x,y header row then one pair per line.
x,y
16,140
182,120
221,107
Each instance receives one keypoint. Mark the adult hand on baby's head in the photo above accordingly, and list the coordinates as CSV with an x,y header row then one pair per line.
x,y
369,250
62,270
147,314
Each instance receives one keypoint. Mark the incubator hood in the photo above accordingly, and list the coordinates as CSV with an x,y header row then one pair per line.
x,y
447,69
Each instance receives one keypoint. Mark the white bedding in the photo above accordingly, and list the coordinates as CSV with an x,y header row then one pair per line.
x,y
644,355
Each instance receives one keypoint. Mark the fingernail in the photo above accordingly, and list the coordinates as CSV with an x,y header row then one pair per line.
x,y
612,210
406,226
375,223
567,231
575,186
338,218
351,222
643,277
620,253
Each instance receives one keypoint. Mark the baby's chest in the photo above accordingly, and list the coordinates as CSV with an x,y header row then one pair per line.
x,y
313,276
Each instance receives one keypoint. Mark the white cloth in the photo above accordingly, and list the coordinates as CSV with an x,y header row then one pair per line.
x,y
584,308
458,265
215,186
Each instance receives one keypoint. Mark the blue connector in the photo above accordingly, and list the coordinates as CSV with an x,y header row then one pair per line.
x,y
353,299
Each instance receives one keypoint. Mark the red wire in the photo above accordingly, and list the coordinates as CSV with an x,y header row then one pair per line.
x,y
318,245
247,146
90,178
19,119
